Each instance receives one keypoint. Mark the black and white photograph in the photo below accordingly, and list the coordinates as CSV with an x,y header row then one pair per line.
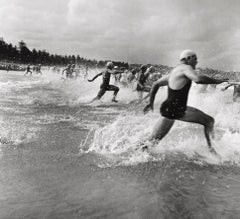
x,y
119,109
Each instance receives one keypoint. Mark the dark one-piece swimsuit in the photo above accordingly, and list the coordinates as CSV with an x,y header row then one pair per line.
x,y
175,105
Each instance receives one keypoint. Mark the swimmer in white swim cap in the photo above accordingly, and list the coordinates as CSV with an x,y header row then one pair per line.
x,y
186,54
175,106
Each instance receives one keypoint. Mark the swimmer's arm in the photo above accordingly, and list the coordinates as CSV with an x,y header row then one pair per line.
x,y
115,72
234,83
231,84
207,80
225,88
159,83
200,78
90,80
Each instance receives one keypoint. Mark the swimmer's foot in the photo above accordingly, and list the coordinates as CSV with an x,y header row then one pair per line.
x,y
115,101
212,150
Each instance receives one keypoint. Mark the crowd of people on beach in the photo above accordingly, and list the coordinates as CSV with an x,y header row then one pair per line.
x,y
147,79
138,77
11,67
178,82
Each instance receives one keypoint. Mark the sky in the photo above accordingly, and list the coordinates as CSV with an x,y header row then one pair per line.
x,y
134,31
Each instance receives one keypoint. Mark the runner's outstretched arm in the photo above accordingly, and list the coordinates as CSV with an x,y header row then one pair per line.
x,y
231,83
200,78
234,82
203,79
117,72
159,83
90,80
225,88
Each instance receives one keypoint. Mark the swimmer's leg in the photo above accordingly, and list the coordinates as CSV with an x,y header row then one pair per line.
x,y
99,95
115,89
145,89
197,116
148,95
160,130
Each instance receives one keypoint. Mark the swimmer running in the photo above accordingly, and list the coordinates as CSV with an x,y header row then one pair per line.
x,y
175,106
142,81
105,86
28,70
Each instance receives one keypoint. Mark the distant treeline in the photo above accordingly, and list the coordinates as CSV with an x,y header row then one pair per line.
x,y
22,54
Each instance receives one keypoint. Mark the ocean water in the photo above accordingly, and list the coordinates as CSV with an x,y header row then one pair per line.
x,y
61,157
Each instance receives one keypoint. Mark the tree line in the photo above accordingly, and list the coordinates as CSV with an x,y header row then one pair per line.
x,y
22,54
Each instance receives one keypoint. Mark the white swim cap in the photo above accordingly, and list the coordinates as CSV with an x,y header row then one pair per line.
x,y
187,53
109,64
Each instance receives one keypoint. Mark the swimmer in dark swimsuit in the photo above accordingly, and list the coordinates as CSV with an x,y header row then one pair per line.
x,y
38,69
68,70
175,106
142,80
28,70
105,86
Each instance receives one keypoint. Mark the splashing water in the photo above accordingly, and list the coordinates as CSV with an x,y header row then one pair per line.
x,y
131,128
127,132
55,147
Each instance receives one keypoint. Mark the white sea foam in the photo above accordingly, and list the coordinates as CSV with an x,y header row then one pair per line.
x,y
119,139
127,132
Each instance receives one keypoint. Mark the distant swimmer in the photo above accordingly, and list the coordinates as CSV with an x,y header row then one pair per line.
x,y
8,68
117,77
28,70
73,70
175,106
86,72
105,86
69,71
142,81
132,75
124,78
38,69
